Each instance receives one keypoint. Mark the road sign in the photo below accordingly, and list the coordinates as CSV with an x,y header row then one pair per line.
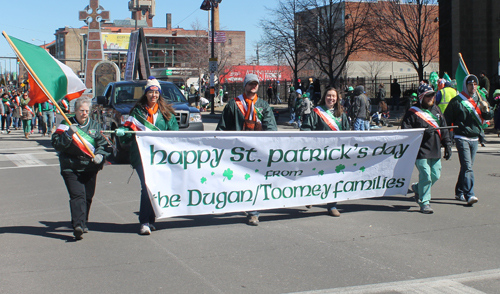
x,y
212,65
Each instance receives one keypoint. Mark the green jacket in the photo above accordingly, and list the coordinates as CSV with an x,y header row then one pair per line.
x,y
313,122
458,115
71,158
232,118
161,123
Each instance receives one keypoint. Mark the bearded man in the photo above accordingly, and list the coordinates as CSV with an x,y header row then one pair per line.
x,y
425,114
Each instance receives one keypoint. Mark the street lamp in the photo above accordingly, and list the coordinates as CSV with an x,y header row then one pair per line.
x,y
40,41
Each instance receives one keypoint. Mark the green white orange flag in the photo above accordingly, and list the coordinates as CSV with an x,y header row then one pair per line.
x,y
57,78
461,73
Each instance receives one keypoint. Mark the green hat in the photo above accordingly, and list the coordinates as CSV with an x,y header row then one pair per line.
x,y
496,93
305,95
414,94
351,88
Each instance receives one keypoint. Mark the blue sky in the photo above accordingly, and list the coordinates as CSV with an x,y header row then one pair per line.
x,y
39,19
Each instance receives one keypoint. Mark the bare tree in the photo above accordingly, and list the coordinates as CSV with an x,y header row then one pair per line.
x,y
407,30
332,31
281,36
196,53
373,67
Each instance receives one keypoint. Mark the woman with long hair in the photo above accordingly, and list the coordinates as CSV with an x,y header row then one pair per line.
x,y
327,116
151,113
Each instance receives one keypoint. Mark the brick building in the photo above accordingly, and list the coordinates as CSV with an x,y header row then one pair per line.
x,y
167,47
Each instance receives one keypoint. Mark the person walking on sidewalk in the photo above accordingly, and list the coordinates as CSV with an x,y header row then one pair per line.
x,y
425,114
248,112
469,113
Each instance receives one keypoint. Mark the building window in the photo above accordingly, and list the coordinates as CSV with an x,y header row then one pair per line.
x,y
401,69
230,41
409,69
156,41
166,40
150,41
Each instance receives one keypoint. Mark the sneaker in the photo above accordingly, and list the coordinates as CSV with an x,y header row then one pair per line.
x,y
85,230
472,200
426,209
152,227
333,212
78,232
145,229
460,197
309,206
415,190
253,220
8,131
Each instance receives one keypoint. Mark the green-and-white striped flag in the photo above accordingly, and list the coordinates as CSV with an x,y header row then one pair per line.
x,y
461,73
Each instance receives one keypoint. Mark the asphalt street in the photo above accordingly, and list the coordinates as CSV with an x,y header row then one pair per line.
x,y
378,245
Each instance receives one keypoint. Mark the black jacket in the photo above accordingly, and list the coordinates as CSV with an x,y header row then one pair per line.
x,y
431,143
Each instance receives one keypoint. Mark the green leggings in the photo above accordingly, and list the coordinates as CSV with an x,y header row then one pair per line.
x,y
27,126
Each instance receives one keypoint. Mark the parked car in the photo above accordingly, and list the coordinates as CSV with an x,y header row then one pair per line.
x,y
112,109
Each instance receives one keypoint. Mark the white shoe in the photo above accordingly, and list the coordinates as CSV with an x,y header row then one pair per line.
x,y
145,230
152,227
472,200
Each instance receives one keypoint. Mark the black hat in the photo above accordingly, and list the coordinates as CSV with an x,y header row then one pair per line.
x,y
471,79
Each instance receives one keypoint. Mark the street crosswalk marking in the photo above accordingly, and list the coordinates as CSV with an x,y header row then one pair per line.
x,y
446,284
25,160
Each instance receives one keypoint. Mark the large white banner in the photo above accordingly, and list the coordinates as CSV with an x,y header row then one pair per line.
x,y
192,173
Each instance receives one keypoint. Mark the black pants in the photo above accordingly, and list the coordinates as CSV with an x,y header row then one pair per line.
x,y
81,188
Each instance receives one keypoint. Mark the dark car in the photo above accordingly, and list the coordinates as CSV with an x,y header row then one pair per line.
x,y
112,110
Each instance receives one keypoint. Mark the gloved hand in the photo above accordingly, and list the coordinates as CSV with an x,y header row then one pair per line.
x,y
72,129
429,131
119,132
98,158
447,152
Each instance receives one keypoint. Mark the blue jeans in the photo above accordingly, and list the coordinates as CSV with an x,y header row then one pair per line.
x,y
361,125
429,171
146,212
331,205
48,120
292,114
466,154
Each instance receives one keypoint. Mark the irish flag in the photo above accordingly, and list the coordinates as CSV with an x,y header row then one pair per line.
x,y
45,71
461,73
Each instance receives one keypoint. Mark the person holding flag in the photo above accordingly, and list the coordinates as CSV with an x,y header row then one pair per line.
x,y
469,113
248,112
329,115
78,168
151,113
425,114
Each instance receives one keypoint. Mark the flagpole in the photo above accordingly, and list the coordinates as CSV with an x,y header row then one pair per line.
x,y
42,86
468,73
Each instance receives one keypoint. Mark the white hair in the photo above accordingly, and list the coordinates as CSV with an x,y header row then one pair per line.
x,y
83,100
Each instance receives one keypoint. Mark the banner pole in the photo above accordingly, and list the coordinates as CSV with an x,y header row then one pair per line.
x,y
42,86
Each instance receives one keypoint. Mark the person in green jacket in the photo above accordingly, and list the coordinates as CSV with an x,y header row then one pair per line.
x,y
154,114
329,115
469,113
78,168
248,112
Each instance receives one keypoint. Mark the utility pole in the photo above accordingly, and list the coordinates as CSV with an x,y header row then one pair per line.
x,y
257,54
